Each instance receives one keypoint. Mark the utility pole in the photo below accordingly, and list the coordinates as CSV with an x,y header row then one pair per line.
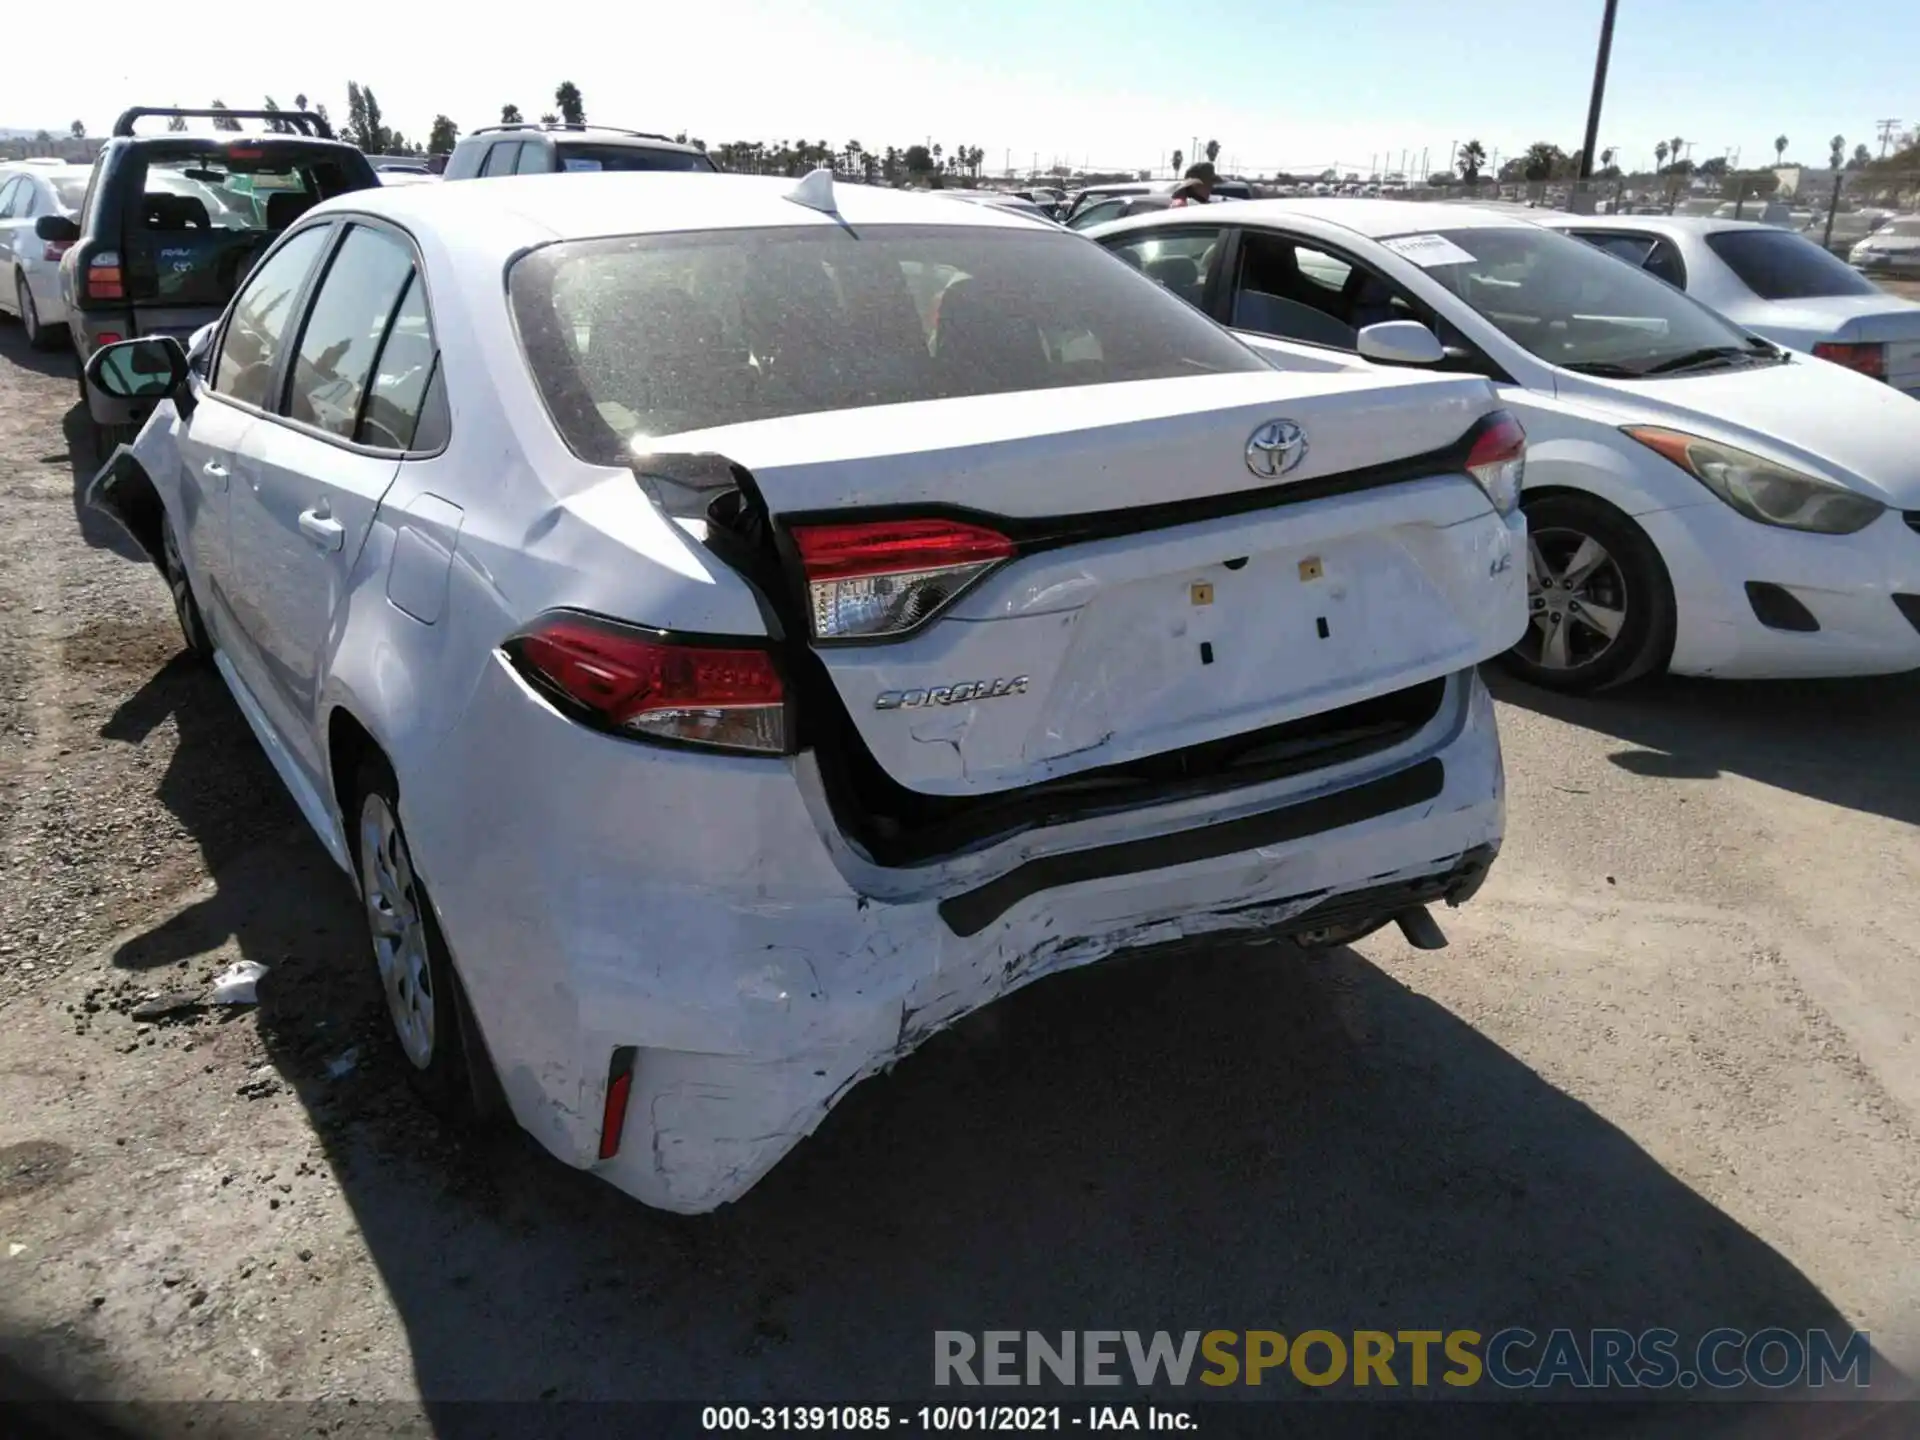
x,y
1887,130
1453,151
1600,59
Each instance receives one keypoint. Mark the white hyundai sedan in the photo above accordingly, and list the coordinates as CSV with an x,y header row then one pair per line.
x,y
1698,499
731,630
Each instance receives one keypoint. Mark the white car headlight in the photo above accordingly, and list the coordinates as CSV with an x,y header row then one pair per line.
x,y
1760,489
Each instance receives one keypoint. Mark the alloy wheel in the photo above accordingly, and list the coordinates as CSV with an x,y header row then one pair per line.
x,y
1576,600
398,928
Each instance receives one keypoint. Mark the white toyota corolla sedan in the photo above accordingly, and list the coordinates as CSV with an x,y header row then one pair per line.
x,y
1698,499
729,630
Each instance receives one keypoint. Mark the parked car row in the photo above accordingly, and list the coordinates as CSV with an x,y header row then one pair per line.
x,y
1701,499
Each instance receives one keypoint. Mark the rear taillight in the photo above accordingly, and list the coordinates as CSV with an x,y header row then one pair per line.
x,y
103,277
54,249
654,686
1867,359
866,580
1497,460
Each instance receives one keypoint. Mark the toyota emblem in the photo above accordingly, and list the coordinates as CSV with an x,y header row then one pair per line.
x,y
1275,448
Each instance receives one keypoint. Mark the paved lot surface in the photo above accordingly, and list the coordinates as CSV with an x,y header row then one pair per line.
x,y
1668,1073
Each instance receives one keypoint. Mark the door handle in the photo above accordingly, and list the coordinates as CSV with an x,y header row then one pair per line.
x,y
322,529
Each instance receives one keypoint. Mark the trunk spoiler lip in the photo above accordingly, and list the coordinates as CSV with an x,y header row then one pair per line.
x,y
687,484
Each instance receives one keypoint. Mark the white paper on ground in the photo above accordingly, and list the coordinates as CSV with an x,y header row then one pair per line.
x,y
1428,251
236,984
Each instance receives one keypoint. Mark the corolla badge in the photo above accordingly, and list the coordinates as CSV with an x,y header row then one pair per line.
x,y
1275,448
951,694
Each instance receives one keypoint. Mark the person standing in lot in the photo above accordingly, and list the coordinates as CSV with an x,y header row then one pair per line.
x,y
1197,187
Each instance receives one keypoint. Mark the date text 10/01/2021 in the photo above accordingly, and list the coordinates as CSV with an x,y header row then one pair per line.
x,y
847,1419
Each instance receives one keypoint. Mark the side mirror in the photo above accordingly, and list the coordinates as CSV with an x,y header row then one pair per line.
x,y
56,229
1400,342
135,375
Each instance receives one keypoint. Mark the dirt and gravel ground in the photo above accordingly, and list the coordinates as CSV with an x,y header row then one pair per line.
x,y
1668,1073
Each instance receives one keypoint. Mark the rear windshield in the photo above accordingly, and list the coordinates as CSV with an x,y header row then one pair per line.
x,y
70,190
576,156
1780,265
639,337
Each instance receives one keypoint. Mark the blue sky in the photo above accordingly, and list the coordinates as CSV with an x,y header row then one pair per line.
x,y
1111,82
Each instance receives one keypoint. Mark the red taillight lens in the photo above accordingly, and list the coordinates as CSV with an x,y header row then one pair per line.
x,y
640,683
103,277
886,577
106,337
1867,359
1497,460
54,249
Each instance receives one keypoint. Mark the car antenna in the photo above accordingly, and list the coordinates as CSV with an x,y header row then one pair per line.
x,y
815,191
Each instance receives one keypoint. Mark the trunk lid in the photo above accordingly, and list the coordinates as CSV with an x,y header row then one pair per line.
x,y
1164,591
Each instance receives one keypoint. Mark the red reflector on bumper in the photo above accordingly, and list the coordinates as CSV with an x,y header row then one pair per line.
x,y
613,1119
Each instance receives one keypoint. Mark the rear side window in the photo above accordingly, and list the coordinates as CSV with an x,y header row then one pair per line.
x,y
1780,265
395,399
261,318
11,193
533,159
578,156
645,336
500,160
344,330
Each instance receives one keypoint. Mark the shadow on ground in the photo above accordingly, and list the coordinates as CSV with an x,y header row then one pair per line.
x,y
1232,1137
1847,742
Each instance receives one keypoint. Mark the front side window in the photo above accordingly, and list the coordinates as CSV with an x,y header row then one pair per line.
x,y
262,316
1183,261
1560,299
635,338
1293,291
1781,265
345,327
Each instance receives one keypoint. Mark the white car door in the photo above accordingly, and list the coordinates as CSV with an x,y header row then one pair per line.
x,y
227,403
316,470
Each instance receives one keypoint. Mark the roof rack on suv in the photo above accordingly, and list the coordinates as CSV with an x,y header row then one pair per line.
x,y
568,125
304,121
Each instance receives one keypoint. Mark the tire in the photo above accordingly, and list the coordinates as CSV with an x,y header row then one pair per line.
x,y
39,337
411,961
186,609
1600,603
107,438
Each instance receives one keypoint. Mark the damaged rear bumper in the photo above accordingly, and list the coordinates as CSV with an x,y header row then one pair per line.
x,y
694,912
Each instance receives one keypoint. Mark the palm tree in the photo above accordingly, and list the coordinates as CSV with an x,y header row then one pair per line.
x,y
1473,157
1674,148
1178,156
1660,154
1779,148
1213,151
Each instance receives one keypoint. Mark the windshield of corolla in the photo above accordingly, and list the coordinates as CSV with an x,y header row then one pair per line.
x,y
645,336
1568,302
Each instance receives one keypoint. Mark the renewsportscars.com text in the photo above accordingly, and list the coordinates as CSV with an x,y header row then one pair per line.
x,y
1510,1359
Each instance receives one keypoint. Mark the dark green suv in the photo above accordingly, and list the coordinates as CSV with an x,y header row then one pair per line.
x,y
172,222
